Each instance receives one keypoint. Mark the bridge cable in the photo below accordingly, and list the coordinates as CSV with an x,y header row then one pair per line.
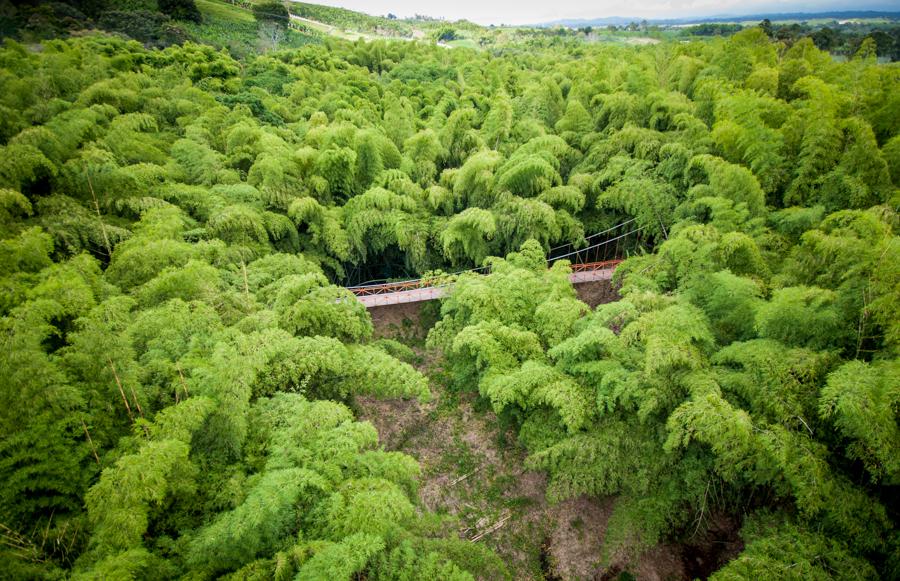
x,y
599,244
594,235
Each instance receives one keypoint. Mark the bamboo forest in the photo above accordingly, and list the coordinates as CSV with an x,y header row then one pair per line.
x,y
660,341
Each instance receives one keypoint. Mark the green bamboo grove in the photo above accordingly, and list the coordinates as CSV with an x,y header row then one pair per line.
x,y
179,359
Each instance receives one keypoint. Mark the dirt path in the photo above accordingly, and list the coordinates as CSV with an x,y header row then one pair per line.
x,y
474,471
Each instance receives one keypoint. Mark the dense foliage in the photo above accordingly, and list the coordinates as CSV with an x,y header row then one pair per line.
x,y
842,37
839,37
154,23
178,363
751,365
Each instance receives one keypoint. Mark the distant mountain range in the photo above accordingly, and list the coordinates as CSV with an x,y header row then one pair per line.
x,y
774,17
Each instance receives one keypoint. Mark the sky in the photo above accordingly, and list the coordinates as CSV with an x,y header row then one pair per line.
x,y
537,11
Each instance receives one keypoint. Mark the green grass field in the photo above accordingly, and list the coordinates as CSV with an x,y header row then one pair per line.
x,y
223,11
234,28
463,43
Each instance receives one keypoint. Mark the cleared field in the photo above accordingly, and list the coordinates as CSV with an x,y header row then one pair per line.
x,y
463,43
224,11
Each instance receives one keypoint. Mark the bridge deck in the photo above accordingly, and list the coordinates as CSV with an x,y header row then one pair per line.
x,y
412,292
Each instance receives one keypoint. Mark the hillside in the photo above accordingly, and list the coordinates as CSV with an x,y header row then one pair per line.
x,y
350,20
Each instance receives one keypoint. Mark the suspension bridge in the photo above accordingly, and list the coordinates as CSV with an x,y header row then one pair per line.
x,y
594,262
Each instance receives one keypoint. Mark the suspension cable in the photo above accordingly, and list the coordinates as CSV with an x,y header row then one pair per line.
x,y
594,245
594,235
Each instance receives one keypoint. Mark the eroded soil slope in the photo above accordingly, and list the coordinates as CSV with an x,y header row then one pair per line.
x,y
473,470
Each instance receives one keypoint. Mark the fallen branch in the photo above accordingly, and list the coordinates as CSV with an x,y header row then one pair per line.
x,y
464,476
491,529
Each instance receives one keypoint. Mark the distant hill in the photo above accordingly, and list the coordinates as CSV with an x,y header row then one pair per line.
x,y
774,17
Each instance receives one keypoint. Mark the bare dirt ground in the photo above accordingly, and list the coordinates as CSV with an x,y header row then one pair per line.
x,y
596,292
408,322
474,471
642,40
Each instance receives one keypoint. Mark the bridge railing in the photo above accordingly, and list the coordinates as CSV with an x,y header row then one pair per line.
x,y
394,287
589,266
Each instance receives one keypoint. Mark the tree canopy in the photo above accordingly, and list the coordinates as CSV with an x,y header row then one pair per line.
x,y
181,359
